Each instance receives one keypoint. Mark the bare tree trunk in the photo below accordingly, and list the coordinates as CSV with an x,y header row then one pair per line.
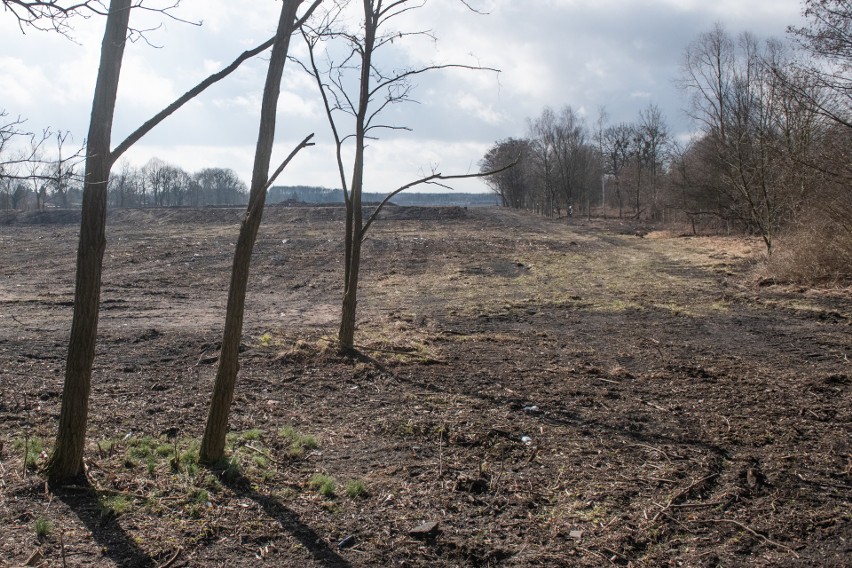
x,y
354,220
352,256
213,442
67,458
346,334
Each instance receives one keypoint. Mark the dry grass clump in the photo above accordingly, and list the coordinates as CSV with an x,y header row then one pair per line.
x,y
819,252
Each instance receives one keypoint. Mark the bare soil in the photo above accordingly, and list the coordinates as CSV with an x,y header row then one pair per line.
x,y
530,392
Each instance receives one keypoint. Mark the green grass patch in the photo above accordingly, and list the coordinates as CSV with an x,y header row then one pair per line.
x,y
251,435
43,527
141,448
200,496
323,484
30,449
356,489
229,469
298,443
114,505
165,450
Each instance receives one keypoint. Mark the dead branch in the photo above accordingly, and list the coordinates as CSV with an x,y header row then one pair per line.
x,y
172,558
185,98
749,530
682,493
426,180
303,144
56,15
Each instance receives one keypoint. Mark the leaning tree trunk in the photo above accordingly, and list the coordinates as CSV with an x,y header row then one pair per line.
x,y
66,460
213,442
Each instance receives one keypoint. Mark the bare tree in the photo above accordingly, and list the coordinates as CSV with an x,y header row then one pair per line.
x,y
22,151
817,130
11,132
653,139
617,147
512,184
52,15
575,171
357,87
66,460
544,141
155,176
827,38
600,124
37,172
218,186
58,15
213,443
705,75
63,170
749,127
124,186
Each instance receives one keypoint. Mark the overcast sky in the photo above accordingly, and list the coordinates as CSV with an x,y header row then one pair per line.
x,y
620,54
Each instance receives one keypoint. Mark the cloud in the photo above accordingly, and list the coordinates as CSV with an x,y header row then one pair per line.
x,y
484,112
621,54
18,81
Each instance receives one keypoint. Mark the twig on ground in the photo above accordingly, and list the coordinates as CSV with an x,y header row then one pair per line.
x,y
653,449
259,451
649,479
441,453
26,453
595,552
172,559
495,487
62,547
656,345
682,493
749,530
657,406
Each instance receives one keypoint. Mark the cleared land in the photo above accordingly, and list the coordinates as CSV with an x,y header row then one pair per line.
x,y
533,393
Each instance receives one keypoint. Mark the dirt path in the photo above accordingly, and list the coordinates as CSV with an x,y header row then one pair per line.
x,y
534,393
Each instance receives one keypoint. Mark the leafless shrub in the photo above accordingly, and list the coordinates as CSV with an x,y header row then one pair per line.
x,y
819,250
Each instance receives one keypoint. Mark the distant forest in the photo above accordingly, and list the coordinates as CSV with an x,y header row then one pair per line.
x,y
160,184
305,194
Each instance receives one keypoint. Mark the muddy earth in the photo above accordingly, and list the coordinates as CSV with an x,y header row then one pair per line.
x,y
528,392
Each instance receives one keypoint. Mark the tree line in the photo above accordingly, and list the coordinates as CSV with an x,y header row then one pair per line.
x,y
160,184
770,156
563,166
155,184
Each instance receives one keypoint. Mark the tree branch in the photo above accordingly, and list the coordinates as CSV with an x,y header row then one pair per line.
x,y
186,97
301,145
428,179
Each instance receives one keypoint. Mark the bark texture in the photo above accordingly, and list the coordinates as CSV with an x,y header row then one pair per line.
x,y
66,460
213,442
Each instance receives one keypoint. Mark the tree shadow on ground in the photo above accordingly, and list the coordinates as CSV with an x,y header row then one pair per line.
x,y
559,414
290,522
117,545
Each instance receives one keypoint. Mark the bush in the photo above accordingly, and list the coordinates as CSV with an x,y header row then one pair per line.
x,y
818,251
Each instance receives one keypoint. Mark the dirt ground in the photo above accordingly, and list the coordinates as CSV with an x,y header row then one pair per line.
x,y
532,392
